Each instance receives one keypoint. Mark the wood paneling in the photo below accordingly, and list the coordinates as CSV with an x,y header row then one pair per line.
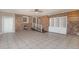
x,y
72,21
19,26
73,14
45,22
18,23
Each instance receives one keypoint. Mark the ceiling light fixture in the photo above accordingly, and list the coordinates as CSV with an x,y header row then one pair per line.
x,y
37,11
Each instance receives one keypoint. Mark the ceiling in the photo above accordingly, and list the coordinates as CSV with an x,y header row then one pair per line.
x,y
31,12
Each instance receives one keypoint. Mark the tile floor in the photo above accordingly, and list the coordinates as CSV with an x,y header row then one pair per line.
x,y
37,40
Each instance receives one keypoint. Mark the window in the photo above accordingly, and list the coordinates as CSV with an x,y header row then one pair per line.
x,y
56,22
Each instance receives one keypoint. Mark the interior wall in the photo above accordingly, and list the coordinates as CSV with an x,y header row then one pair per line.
x,y
19,24
19,27
45,22
72,21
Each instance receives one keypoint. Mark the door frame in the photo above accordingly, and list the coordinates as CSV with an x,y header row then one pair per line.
x,y
52,27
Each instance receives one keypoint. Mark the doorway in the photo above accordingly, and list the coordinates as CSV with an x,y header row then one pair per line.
x,y
8,24
58,25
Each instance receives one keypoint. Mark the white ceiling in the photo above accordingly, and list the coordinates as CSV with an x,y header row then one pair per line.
x,y
31,13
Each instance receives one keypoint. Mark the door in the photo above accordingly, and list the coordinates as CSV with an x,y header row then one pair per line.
x,y
58,25
8,24
34,23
